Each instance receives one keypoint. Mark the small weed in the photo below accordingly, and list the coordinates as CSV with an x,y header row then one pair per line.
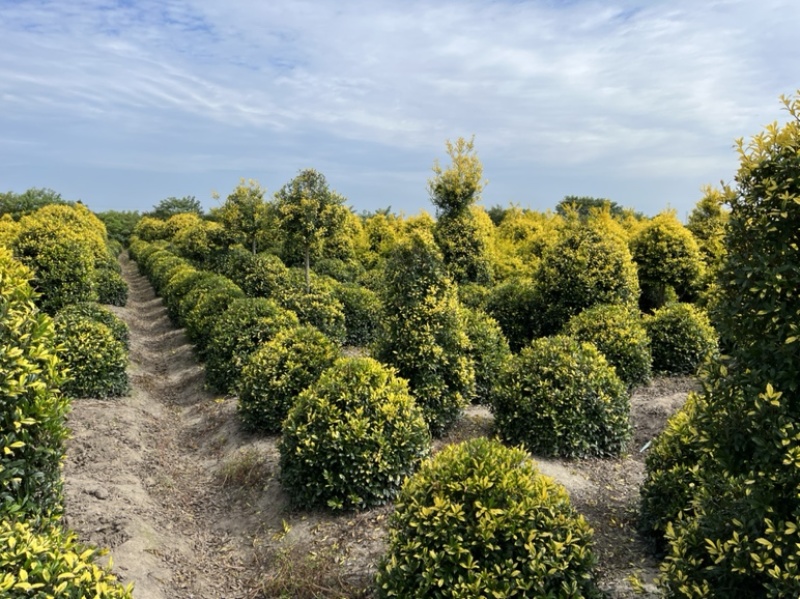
x,y
300,572
246,470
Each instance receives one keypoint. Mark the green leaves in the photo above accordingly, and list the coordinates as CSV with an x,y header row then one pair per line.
x,y
478,520
351,438
560,397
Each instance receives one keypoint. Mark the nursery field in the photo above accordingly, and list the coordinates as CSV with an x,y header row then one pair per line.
x,y
190,506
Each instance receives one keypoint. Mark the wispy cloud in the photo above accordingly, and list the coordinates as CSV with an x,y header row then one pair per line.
x,y
616,93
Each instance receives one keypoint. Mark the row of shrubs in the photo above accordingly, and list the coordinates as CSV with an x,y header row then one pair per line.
x,y
38,557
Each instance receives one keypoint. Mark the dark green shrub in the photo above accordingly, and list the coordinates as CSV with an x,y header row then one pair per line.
x,y
560,397
32,411
213,300
94,311
95,360
111,288
514,305
479,520
681,338
489,352
351,438
239,331
474,295
52,563
278,371
422,335
206,283
672,472
589,265
618,332
362,313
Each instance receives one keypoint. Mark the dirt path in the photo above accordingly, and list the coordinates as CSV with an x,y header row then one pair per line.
x,y
191,508
137,480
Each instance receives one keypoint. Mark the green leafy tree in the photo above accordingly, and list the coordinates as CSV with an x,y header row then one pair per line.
x,y
423,336
171,206
737,536
454,190
19,204
310,212
248,216
119,224
584,205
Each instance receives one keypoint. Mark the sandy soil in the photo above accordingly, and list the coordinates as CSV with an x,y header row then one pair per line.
x,y
190,506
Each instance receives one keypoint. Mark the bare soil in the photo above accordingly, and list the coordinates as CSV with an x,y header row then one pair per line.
x,y
190,506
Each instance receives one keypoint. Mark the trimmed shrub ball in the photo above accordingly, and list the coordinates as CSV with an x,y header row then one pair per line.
x,y
350,439
560,397
618,332
95,359
278,371
681,338
479,520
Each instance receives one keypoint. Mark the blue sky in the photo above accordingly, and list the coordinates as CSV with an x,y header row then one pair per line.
x,y
121,103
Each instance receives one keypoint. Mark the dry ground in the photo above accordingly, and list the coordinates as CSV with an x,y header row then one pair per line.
x,y
190,506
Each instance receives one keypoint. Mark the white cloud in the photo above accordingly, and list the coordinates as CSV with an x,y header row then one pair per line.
x,y
613,91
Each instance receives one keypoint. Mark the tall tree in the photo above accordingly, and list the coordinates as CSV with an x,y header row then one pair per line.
x,y
309,213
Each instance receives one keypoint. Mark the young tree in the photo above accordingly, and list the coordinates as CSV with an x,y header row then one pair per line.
x,y
423,335
454,190
309,213
247,215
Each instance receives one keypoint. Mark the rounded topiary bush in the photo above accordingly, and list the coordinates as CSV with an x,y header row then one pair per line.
x,y
278,371
98,313
211,302
178,285
352,437
618,332
479,520
94,358
265,276
52,563
560,396
681,338
207,283
590,264
238,332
